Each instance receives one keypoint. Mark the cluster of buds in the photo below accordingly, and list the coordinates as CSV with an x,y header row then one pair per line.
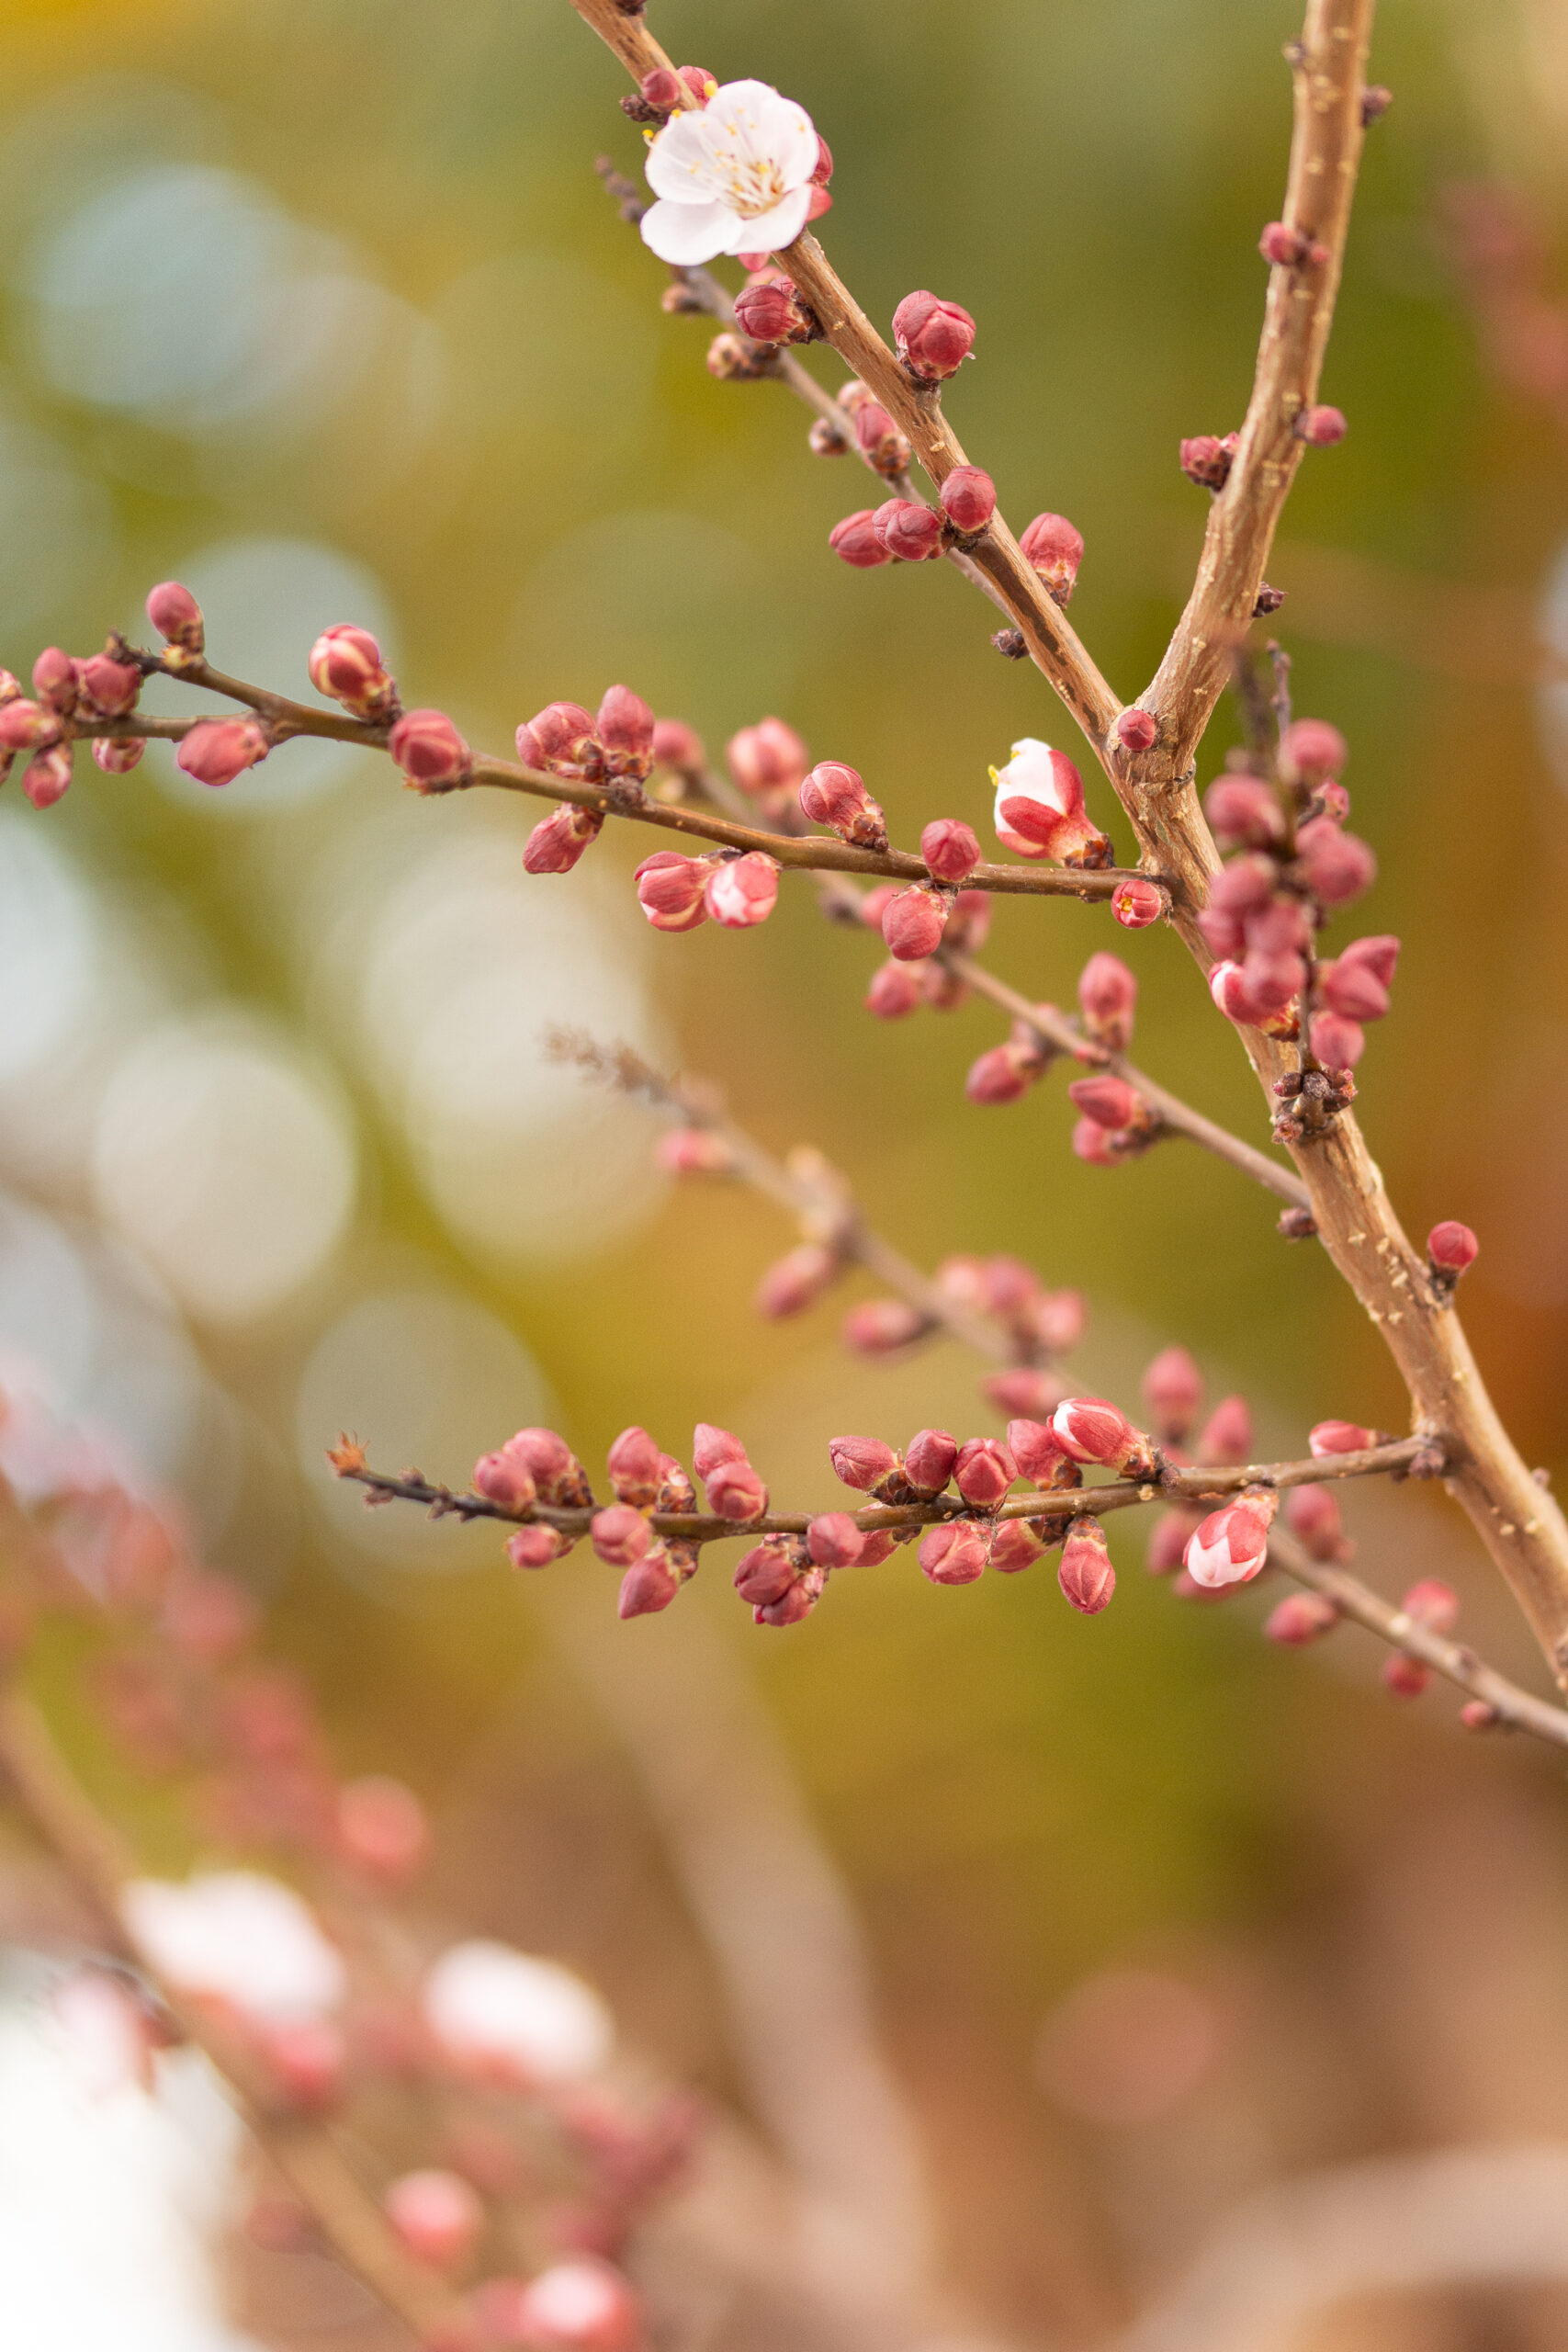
x,y
826,1221
1173,1393
1039,810
932,338
679,893
615,749
99,687
959,1550
1040,1326
956,921
1114,1125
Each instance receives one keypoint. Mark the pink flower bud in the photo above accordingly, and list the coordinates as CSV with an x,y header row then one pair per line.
x,y
797,1603
1060,1319
1206,459
1353,989
649,1585
662,89
895,991
833,1540
1014,1546
1338,1043
913,922
1433,1604
559,1475
1243,812
583,2305
47,776
882,445
27,726
678,746
1168,1539
1025,1389
118,756
1378,955
54,681
1281,928
1272,982
765,1574
1231,1544
1085,1576
670,890
1282,246
1451,1247
620,1535
767,758
932,338
908,531
742,891
175,615
1405,1678
950,848
1312,749
1322,426
983,1472
861,1462
345,663
565,741
308,2060
1339,1437
1333,801
537,1546
437,2216
1108,992
1228,986
880,1326
1037,1450
1136,730
1226,1436
1313,1516
429,749
1093,1429
954,1553
797,1281
1136,903
217,750
855,540
381,1826
694,1151
735,1491
1173,1390
505,1477
1039,808
1054,549
1110,1102
928,1460
1098,1147
624,731
1300,1617
1001,1075
773,312
834,796
559,841
108,689
711,1445
876,903
1243,885
968,498
634,1463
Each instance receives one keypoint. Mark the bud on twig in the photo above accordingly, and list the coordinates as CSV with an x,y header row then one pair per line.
x,y
1136,730
743,892
1107,994
884,448
1323,427
1085,1576
833,1540
950,849
1314,1518
768,759
1330,1437
670,888
856,542
634,1466
1173,1390
1231,1544
955,1553
833,795
559,841
969,499
1451,1248
878,1327
797,1281
1300,1617
907,530
624,731
928,1460
175,615
1055,548
1207,460
1093,1429
932,337
216,750
913,921
345,663
771,312
1136,903
432,755
1311,748
983,1472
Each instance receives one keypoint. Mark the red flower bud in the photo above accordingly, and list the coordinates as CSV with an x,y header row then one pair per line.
x,y
908,531
624,729
983,1472
1353,989
649,1585
1312,749
1108,992
1136,903
765,1574
968,498
1110,1102
1173,1390
768,758
175,615
1226,1436
1024,1389
1433,1604
1338,1043
735,1491
108,689
620,1535
1231,1544
1207,460
1085,1575
1379,955
932,338
1322,426
678,746
117,757
1136,730
1098,1147
1335,866
1001,1075
861,1462
1451,1247
1015,1545
54,681
855,539
913,922
797,1281
833,1540
834,796
1037,1450
537,1546
345,663
743,892
1055,548
1405,1678
882,445
564,741
429,749
1093,1429
895,991
773,313
634,1466
558,840
216,750
928,1460
1243,812
670,888
950,848
1300,1618
711,1445
1313,1516
877,1326
1339,1437
505,1477
955,1553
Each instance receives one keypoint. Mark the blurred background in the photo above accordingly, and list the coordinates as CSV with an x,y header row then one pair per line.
x,y
1110,1982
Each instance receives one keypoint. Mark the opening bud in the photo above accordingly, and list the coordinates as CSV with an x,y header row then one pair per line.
x,y
1085,1576
634,1464
882,445
671,889
983,1472
742,891
1338,1043
1313,1516
1110,1102
624,729
955,1553
1323,427
1173,1390
1039,809
1093,1429
773,312
932,337
895,991
345,664
912,923
1206,458
620,1535
1300,1618
1136,730
1243,812
908,531
855,540
968,498
118,756
1228,986
1054,547
217,750
1231,1544
1107,994
878,1327
797,1281
175,615
432,755
834,796
558,840
1405,1678
1339,1437
834,1541
861,1462
1136,903
950,849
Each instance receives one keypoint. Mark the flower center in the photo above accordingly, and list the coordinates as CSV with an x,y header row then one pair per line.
x,y
752,185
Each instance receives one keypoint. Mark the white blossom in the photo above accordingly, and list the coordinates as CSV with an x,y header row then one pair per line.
x,y
731,177
240,1937
493,2007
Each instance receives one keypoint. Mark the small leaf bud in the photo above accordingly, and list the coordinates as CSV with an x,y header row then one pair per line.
x,y
882,445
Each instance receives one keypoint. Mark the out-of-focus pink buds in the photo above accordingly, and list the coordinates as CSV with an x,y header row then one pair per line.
x,y
768,758
1085,1575
882,445
1405,1678
1243,812
670,890
381,1826
1378,955
1098,1147
861,1462
1282,246
711,1445
583,2305
1001,1074
1226,1437
563,739
765,1574
1093,1429
833,1540
1338,1043
559,841
1300,1618
1110,1102
47,776
175,615
537,1546
1338,1437
1312,749
624,731
694,1151
1136,730
1313,1516
217,750
875,903
561,1476
1332,800
797,1281
855,540
54,681
620,1535
505,1479
928,1460
773,313
1054,549
950,849
743,892
1037,1450
968,928
1167,1540
437,2216
1173,1390
878,1327
1023,1389
1450,1249
908,531
1060,1319
1136,903
27,726
895,991
1243,886
955,1553
983,1472
1040,810
1322,426
1335,865
429,749
1206,458
968,498
913,922
1107,994
1231,1544
1352,990
1228,986
678,746
345,663
833,795
932,337
735,1490
107,688
308,2060
1433,1604
117,755
634,1466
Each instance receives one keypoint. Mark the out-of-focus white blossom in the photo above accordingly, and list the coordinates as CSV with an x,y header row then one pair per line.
x,y
501,2011
240,1937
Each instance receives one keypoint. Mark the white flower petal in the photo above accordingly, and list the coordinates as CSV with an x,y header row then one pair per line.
x,y
685,234
769,124
680,162
769,233
239,1936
